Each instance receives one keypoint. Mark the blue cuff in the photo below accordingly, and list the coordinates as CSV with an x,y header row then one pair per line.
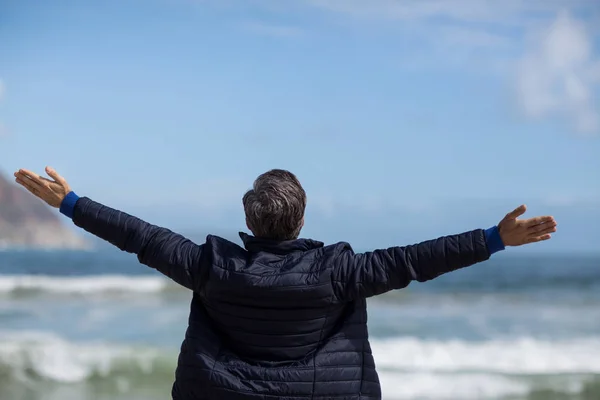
x,y
67,207
493,240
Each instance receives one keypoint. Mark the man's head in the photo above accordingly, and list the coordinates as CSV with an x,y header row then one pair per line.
x,y
275,206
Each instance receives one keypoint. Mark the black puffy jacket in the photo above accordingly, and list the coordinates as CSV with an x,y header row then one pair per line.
x,y
277,320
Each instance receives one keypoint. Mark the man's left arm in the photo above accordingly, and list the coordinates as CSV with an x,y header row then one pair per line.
x,y
372,273
376,272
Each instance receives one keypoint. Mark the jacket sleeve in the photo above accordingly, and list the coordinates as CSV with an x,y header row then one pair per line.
x,y
159,248
372,273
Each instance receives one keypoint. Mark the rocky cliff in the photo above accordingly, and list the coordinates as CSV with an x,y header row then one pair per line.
x,y
26,222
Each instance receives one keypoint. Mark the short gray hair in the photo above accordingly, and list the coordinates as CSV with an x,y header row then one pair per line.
x,y
275,206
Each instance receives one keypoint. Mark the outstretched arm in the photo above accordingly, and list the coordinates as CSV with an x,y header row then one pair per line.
x,y
368,274
159,248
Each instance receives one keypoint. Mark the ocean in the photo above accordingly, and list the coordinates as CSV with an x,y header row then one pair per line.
x,y
98,325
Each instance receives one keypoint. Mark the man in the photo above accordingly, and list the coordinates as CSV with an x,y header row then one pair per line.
x,y
282,318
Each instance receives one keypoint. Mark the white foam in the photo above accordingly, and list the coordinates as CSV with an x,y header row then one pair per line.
x,y
517,356
411,368
408,368
82,284
55,359
426,385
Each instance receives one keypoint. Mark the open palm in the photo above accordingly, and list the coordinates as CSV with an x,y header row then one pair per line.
x,y
517,232
52,191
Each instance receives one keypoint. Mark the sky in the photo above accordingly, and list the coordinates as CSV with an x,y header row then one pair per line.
x,y
404,120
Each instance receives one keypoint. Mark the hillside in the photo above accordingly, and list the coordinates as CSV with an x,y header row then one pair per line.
x,y
26,222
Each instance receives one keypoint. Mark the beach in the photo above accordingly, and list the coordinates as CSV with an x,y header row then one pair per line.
x,y
97,325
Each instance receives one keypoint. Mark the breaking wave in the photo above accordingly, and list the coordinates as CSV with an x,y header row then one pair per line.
x,y
409,368
97,284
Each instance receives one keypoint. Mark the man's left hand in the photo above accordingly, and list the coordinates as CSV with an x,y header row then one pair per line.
x,y
52,191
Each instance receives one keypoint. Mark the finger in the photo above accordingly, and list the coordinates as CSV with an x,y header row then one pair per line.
x,y
31,175
517,212
543,229
27,185
35,178
538,238
532,222
29,180
54,175
536,229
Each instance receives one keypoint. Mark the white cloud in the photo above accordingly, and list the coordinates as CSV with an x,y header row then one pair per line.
x,y
450,25
463,23
410,9
557,70
560,74
506,12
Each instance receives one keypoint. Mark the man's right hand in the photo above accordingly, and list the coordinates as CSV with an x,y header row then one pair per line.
x,y
517,232
52,191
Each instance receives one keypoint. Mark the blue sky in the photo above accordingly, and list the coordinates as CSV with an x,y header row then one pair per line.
x,y
403,119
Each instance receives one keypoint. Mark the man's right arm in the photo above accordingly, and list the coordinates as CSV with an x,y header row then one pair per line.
x,y
169,253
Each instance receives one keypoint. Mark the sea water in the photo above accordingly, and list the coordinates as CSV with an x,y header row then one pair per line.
x,y
97,325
